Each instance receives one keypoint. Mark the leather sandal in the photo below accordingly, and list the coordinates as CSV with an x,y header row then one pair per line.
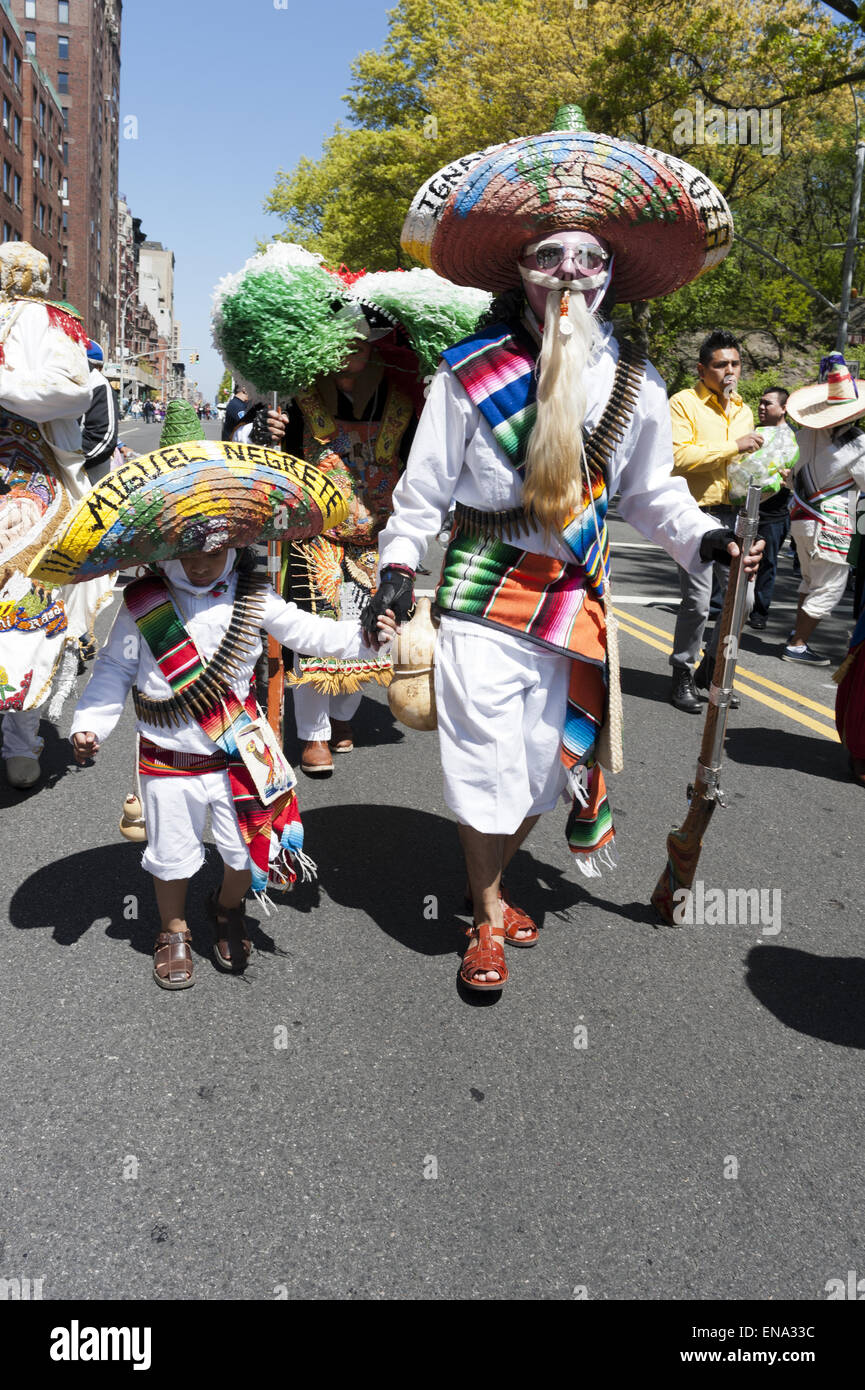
x,y
484,952
514,918
231,947
172,960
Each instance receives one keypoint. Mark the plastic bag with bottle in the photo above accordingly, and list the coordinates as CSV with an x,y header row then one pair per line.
x,y
778,451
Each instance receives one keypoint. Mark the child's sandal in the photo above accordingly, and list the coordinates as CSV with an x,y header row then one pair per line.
x,y
231,947
172,960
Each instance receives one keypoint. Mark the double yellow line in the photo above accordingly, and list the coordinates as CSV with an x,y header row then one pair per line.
x,y
637,627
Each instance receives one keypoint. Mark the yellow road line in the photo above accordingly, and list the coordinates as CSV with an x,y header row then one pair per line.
x,y
742,670
794,714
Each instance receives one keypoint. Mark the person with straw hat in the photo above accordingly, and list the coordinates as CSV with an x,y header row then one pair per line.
x,y
531,425
186,642
828,477
44,392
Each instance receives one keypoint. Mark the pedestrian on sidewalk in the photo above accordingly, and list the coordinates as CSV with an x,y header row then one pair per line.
x,y
99,423
712,426
827,478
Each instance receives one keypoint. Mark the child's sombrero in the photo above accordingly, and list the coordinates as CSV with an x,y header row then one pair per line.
x,y
194,496
665,221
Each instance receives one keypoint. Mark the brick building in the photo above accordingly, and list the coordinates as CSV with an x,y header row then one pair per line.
x,y
30,152
77,44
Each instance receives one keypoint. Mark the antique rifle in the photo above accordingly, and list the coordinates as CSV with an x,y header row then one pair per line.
x,y
685,843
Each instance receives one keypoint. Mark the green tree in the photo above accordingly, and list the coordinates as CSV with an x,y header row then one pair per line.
x,y
224,390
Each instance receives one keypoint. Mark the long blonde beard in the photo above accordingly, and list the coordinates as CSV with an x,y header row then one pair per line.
x,y
553,486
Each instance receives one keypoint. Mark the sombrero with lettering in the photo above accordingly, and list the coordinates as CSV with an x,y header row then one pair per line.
x,y
195,496
665,222
833,400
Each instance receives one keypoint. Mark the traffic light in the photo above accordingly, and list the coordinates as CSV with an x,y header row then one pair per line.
x,y
193,357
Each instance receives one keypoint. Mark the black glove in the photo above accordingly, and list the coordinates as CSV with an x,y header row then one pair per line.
x,y
713,546
395,591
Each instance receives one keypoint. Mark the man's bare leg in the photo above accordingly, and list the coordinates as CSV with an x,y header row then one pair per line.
x,y
486,858
805,625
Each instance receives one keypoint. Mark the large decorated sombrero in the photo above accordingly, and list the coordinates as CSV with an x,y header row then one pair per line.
x,y
286,320
33,499
665,221
833,400
189,497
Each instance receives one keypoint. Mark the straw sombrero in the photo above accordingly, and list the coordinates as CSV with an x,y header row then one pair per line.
x,y
33,499
831,401
190,497
665,221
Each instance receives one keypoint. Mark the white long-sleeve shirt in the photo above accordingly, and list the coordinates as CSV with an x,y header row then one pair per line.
x,y
126,659
455,458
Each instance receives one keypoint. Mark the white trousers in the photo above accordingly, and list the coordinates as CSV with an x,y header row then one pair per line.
x,y
501,711
175,811
21,734
823,581
313,711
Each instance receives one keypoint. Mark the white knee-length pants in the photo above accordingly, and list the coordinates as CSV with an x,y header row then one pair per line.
x,y
501,709
175,811
313,711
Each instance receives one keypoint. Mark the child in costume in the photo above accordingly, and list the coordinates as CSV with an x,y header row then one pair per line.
x,y
202,614
186,642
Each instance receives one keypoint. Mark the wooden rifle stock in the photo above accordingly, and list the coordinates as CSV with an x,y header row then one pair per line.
x,y
685,843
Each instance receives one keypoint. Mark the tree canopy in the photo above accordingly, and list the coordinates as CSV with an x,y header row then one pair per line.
x,y
455,75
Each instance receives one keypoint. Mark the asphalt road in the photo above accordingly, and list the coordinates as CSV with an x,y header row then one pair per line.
x,y
644,1112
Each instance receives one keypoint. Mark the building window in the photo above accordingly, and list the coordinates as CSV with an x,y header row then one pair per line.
x,y
42,167
7,175
64,193
7,232
62,46
42,217
29,41
29,9
16,128
66,152
16,70
42,115
7,112
6,51
65,110
66,221
16,190
63,81
62,11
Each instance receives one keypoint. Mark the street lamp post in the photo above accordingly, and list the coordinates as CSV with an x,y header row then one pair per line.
x,y
850,247
123,313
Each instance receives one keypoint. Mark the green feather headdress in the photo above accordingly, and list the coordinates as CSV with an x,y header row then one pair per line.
x,y
284,320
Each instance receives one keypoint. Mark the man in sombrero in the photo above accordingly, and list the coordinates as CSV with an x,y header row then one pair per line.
x,y
531,426
828,477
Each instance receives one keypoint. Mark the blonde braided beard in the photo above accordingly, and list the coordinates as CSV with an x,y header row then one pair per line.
x,y
553,485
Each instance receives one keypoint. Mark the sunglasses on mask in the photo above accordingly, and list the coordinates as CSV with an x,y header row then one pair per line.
x,y
588,259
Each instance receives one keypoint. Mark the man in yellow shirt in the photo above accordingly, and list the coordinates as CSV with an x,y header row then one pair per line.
x,y
711,426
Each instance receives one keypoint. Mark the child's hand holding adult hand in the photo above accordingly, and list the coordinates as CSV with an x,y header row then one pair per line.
x,y
85,747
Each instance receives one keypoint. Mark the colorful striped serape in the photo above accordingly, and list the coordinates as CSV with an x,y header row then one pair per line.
x,y
273,835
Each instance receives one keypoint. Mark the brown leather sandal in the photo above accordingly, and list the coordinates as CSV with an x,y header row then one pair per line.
x,y
514,919
172,960
484,952
231,947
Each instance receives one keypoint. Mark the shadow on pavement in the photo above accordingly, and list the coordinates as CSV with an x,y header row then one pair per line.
x,y
823,996
55,760
97,888
762,747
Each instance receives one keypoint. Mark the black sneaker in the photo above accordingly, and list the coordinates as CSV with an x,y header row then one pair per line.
x,y
682,693
805,657
757,622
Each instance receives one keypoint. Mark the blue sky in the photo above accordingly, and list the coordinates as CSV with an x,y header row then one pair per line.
x,y
226,92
